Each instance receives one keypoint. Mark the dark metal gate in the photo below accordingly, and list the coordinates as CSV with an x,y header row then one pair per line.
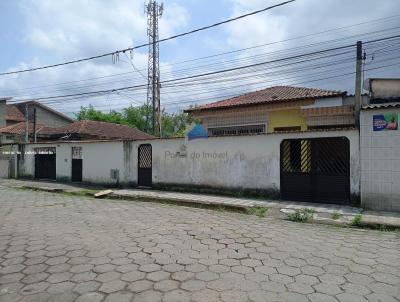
x,y
316,170
76,164
76,174
145,166
45,163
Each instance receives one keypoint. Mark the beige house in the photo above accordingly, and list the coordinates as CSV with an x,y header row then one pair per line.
x,y
13,119
276,109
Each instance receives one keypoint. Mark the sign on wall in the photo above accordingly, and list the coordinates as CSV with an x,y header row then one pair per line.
x,y
197,132
384,122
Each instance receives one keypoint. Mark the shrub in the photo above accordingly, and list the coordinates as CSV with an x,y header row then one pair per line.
x,y
302,215
357,220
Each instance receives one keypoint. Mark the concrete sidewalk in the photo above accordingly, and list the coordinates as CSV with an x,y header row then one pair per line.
x,y
234,202
278,209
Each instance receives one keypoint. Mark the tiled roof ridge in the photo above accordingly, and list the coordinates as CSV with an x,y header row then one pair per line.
x,y
267,95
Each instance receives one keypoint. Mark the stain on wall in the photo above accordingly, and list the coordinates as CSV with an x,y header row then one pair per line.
x,y
127,147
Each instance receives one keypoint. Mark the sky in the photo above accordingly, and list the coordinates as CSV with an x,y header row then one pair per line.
x,y
41,32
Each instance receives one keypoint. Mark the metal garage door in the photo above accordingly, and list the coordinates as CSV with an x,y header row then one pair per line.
x,y
316,170
45,163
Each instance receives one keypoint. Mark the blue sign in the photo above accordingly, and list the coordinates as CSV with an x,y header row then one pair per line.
x,y
197,131
383,122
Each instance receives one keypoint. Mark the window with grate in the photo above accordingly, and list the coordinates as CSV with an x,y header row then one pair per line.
x,y
296,155
287,129
236,130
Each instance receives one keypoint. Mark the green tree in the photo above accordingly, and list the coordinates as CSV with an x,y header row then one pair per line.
x,y
89,113
138,117
172,124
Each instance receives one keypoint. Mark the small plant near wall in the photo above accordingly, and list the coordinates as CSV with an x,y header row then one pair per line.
x,y
302,215
356,221
336,215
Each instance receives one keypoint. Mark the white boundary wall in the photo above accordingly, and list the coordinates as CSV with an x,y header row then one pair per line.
x,y
4,168
237,162
98,160
251,162
380,163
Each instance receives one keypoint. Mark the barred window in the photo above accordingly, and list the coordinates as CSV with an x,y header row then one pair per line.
x,y
287,129
236,130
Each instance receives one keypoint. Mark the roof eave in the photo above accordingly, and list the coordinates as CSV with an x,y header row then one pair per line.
x,y
190,110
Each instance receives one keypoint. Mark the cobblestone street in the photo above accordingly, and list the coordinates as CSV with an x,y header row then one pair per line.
x,y
69,248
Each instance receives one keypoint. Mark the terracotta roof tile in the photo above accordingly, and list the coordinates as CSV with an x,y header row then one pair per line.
x,y
19,128
102,130
99,130
270,95
14,114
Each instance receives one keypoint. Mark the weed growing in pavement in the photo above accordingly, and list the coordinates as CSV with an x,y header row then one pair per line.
x,y
310,210
336,215
356,221
259,211
302,215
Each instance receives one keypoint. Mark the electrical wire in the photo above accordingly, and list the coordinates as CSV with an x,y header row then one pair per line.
x,y
201,58
147,44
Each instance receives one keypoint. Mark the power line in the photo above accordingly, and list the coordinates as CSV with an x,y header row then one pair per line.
x,y
219,54
189,84
117,52
192,76
197,100
208,91
209,73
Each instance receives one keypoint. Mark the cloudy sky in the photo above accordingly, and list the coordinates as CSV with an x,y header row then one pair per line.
x,y
41,32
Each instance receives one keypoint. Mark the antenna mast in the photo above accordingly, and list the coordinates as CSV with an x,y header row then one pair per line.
x,y
154,12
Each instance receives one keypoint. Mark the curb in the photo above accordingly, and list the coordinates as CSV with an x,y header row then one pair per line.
x,y
371,222
175,201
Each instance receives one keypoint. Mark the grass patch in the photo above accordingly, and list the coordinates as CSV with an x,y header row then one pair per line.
x,y
356,221
258,211
302,215
336,215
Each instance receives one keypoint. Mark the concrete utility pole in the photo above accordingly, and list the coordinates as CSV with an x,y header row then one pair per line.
x,y
154,12
26,123
357,92
34,124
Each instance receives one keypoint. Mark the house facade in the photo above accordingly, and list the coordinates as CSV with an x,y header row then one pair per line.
x,y
14,117
276,109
